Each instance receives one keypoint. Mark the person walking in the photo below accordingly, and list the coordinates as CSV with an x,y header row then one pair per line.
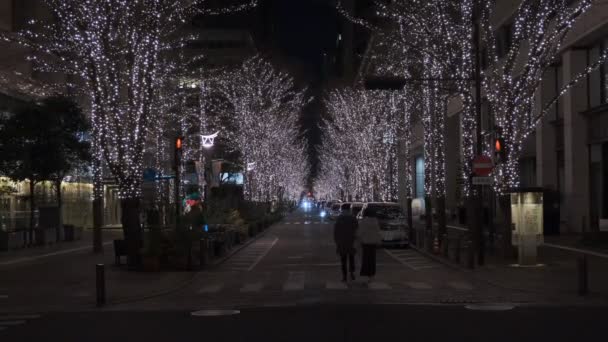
x,y
370,238
345,233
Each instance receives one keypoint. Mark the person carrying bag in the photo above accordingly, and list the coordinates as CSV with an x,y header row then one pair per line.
x,y
370,238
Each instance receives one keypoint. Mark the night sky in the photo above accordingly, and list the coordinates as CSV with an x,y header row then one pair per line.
x,y
303,30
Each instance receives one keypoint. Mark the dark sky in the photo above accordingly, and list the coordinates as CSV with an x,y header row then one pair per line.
x,y
303,30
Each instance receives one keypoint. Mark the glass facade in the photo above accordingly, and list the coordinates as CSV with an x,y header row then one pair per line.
x,y
419,186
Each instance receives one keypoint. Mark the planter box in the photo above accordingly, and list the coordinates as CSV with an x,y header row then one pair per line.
x,y
45,236
3,241
16,239
151,263
68,232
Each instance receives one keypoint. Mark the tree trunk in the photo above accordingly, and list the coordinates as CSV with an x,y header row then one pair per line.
x,y
97,224
441,219
32,211
505,208
132,231
428,210
410,221
98,202
59,208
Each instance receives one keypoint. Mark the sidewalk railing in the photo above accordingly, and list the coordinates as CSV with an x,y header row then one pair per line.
x,y
582,264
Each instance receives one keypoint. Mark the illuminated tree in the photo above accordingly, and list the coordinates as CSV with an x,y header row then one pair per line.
x,y
510,83
360,142
121,52
263,108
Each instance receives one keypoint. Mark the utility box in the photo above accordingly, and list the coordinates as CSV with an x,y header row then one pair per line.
x,y
527,224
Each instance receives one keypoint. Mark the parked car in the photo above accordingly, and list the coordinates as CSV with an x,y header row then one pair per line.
x,y
355,208
391,220
334,210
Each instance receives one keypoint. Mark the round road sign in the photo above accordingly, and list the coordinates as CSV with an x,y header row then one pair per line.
x,y
482,166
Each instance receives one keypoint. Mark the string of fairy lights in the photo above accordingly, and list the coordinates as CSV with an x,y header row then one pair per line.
x,y
358,156
263,108
430,44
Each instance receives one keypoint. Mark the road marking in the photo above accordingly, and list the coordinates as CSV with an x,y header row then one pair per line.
x,y
11,323
460,285
263,255
252,287
295,281
418,285
3,296
335,285
378,286
18,317
424,267
67,251
296,223
293,286
215,288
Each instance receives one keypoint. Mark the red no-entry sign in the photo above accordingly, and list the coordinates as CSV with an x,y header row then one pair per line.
x,y
482,166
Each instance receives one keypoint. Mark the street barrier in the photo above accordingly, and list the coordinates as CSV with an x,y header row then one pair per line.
x,y
100,284
582,264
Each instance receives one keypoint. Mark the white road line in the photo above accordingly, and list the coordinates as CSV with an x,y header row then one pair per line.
x,y
378,286
18,317
460,285
252,287
424,267
293,286
67,251
296,223
334,285
417,285
215,288
11,323
3,296
263,255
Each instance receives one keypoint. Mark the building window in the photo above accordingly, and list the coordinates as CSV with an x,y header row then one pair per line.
x,y
604,73
419,177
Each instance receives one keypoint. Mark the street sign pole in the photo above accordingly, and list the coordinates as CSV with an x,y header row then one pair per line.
x,y
478,225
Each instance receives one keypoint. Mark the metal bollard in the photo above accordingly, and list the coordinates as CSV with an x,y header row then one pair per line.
x,y
203,252
457,250
101,284
470,255
583,276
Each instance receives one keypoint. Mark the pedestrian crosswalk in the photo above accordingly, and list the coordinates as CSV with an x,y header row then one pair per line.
x,y
295,223
413,260
9,321
248,259
297,282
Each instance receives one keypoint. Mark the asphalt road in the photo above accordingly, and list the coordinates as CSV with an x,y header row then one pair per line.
x,y
321,323
286,286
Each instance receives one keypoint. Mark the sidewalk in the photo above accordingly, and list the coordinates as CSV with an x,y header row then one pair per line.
x,y
62,277
17,256
557,276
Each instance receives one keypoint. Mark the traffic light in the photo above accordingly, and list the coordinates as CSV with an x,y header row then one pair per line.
x,y
179,142
500,151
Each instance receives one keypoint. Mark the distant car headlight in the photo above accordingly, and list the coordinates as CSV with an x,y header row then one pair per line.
x,y
323,213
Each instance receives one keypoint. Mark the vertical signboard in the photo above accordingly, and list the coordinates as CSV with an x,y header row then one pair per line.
x,y
527,221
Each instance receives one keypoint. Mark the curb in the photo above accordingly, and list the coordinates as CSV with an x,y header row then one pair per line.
x,y
234,251
441,260
192,275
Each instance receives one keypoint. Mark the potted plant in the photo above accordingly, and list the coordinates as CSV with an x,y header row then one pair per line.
x,y
152,251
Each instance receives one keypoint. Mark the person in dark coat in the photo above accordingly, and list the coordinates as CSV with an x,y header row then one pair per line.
x,y
345,233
